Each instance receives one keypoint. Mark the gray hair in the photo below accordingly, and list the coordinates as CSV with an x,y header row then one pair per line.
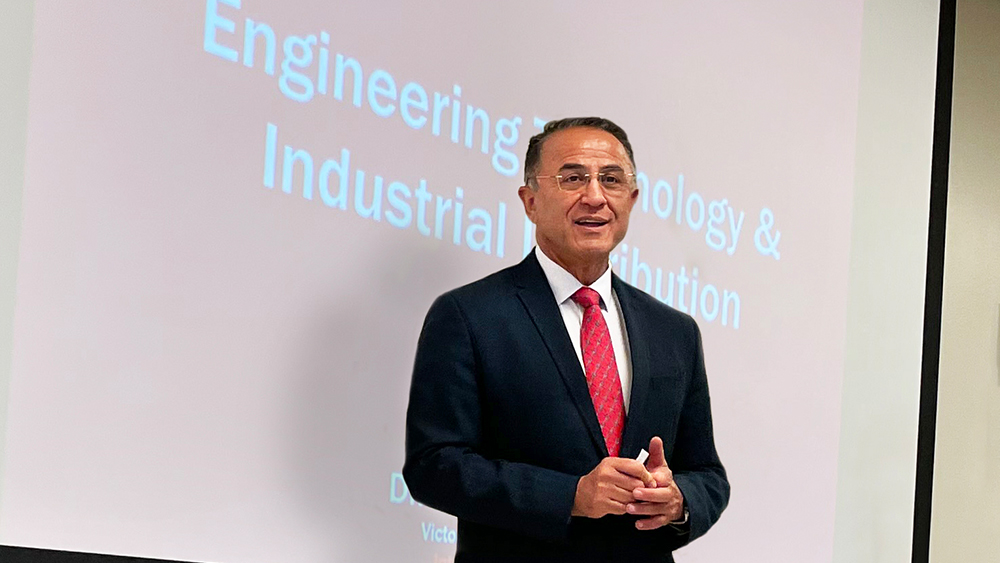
x,y
534,152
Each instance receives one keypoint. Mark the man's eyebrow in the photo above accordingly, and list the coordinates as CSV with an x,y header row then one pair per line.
x,y
575,166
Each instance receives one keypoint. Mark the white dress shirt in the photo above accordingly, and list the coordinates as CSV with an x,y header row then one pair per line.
x,y
564,285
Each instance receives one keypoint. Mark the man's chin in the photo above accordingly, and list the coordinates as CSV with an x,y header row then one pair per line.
x,y
595,250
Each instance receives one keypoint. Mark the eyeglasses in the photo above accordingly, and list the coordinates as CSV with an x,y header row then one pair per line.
x,y
613,182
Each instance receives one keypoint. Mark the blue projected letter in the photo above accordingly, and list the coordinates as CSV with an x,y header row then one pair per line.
x,y
214,21
380,83
298,53
250,32
401,215
504,161
413,95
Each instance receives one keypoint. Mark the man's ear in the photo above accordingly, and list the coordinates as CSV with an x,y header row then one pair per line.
x,y
634,196
527,195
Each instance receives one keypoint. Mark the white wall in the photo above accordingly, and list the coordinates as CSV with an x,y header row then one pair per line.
x,y
965,523
878,438
15,63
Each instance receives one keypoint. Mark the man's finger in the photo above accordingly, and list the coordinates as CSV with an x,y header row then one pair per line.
x,y
633,468
619,495
663,476
649,508
656,456
652,523
624,482
658,495
612,506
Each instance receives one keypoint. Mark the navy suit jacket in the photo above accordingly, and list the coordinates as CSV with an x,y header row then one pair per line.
x,y
500,425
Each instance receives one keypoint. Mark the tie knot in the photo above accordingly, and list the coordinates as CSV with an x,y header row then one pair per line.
x,y
586,297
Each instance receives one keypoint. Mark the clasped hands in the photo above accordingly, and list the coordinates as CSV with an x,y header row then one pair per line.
x,y
625,486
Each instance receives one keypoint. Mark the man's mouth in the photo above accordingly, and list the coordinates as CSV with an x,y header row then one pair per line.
x,y
591,222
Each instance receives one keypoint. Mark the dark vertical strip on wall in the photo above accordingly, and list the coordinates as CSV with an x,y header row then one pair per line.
x,y
934,284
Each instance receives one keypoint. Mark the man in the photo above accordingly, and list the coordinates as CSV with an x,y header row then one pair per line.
x,y
535,388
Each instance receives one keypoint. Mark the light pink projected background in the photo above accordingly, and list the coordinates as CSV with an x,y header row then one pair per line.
x,y
209,368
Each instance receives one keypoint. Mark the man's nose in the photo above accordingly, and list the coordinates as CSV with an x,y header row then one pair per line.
x,y
593,193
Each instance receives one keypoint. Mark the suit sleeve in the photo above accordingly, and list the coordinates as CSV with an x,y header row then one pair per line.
x,y
444,468
695,463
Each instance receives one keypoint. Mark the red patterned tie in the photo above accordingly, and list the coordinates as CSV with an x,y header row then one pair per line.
x,y
601,369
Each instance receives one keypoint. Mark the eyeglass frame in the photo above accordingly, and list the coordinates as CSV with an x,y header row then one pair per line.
x,y
588,176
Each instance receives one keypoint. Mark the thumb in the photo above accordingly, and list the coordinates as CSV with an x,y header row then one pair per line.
x,y
656,457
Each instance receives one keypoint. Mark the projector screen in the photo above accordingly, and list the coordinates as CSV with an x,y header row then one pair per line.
x,y
234,216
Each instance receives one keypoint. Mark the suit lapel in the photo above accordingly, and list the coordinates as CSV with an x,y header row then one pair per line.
x,y
536,296
639,352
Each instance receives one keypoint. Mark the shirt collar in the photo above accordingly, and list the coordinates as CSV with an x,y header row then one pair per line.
x,y
564,284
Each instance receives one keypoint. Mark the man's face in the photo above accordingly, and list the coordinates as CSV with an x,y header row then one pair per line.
x,y
582,226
